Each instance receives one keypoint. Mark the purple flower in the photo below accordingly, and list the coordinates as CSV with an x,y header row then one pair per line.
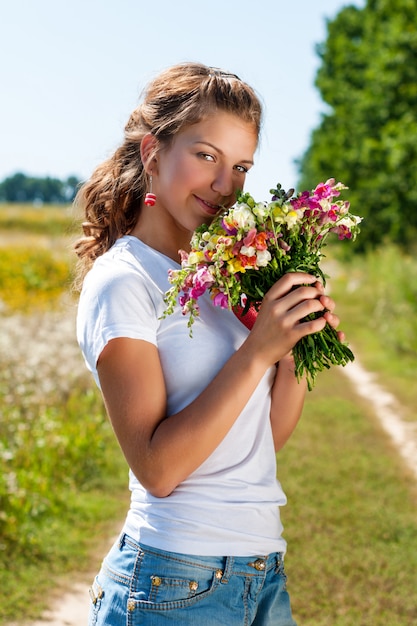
x,y
326,190
230,230
183,299
301,201
221,300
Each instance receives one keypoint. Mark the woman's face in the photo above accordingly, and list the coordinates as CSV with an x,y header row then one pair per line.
x,y
201,171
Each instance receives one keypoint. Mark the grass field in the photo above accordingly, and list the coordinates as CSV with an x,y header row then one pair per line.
x,y
351,518
24,219
62,476
376,297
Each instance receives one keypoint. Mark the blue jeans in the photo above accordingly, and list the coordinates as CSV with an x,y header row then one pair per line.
x,y
139,585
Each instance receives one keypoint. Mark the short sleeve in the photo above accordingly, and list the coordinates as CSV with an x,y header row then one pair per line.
x,y
114,302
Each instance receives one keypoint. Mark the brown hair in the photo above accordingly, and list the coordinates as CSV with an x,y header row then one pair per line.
x,y
180,96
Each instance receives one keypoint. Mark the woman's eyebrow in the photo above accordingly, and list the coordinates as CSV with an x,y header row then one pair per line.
x,y
211,145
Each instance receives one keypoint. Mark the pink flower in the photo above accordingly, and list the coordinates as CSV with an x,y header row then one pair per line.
x,y
306,201
261,241
329,216
255,240
226,241
323,191
183,300
327,189
342,231
236,248
333,213
301,201
183,256
250,237
284,246
221,300
202,280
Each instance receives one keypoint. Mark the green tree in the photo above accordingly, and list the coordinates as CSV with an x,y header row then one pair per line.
x,y
22,188
368,135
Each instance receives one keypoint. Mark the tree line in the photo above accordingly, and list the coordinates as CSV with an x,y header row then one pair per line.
x,y
47,190
367,137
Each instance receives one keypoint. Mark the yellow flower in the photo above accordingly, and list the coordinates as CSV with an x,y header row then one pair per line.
x,y
195,257
234,266
277,213
226,254
291,219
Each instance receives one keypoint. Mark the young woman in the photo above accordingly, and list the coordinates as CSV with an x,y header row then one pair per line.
x,y
199,419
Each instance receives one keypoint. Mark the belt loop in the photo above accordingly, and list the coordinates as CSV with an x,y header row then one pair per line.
x,y
228,569
279,561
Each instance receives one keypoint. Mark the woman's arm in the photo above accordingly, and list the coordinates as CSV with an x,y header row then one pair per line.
x,y
288,394
163,450
288,397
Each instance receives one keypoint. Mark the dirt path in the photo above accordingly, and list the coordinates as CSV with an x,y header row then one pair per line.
x,y
71,610
403,434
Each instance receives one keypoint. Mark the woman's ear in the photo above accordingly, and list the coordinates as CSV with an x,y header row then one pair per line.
x,y
148,152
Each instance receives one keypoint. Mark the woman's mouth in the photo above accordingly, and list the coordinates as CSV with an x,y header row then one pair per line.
x,y
210,208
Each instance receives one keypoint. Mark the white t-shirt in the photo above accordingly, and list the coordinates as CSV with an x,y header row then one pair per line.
x,y
230,504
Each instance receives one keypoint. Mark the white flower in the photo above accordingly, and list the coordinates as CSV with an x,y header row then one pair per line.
x,y
349,221
243,217
248,250
261,211
326,204
263,257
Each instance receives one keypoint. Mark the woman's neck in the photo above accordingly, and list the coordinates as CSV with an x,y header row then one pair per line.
x,y
154,235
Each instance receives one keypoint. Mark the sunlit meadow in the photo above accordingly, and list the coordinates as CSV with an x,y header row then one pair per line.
x,y
58,456
351,520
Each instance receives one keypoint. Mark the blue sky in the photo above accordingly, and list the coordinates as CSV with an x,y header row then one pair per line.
x,y
72,70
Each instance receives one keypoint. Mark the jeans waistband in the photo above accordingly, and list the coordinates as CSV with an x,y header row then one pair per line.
x,y
247,565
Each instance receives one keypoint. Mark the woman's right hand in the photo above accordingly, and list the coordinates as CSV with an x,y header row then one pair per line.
x,y
278,327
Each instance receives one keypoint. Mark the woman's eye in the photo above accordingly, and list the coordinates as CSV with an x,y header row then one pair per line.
x,y
242,169
206,157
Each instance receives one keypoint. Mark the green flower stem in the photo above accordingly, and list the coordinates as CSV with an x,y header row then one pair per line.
x,y
314,353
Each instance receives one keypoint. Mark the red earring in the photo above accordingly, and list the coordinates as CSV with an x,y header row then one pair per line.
x,y
150,198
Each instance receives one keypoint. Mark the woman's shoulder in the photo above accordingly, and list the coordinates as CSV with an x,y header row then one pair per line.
x,y
129,266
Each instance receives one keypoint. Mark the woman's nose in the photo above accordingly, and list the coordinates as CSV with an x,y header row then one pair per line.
x,y
223,183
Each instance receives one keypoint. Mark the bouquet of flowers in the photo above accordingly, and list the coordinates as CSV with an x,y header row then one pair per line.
x,y
249,247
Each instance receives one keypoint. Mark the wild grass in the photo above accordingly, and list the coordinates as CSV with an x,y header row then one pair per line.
x,y
352,514
351,521
56,220
351,518
376,296
37,262
62,475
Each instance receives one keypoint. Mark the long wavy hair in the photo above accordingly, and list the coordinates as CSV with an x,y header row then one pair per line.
x,y
180,96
